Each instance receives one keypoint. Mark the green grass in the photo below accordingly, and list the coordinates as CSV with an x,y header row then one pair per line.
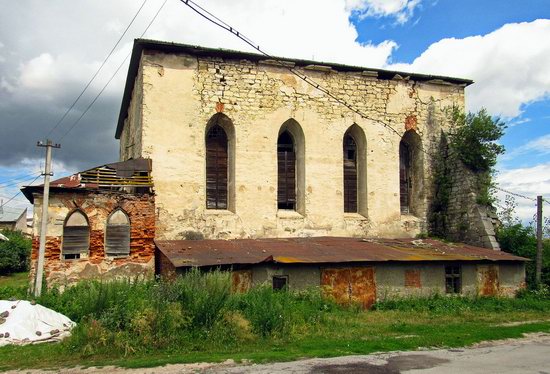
x,y
15,280
196,318
14,285
345,333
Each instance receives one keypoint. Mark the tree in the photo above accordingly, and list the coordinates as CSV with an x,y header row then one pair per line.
x,y
14,253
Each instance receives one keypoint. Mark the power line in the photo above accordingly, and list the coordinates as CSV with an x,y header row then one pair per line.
x,y
98,70
110,79
218,22
514,193
14,196
20,180
22,177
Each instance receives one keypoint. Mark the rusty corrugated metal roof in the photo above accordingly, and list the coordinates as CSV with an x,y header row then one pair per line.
x,y
185,253
135,172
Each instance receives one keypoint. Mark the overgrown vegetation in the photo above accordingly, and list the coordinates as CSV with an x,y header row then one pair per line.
x,y
14,253
521,240
197,318
472,141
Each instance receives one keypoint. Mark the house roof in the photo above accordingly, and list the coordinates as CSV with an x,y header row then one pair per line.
x,y
319,250
135,172
9,214
144,44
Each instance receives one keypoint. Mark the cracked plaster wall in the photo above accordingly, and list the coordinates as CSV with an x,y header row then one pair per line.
x,y
179,94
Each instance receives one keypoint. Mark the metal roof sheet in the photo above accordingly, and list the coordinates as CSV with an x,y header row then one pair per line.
x,y
186,253
9,214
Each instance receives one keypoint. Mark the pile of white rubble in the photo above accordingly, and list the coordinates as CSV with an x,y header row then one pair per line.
x,y
24,322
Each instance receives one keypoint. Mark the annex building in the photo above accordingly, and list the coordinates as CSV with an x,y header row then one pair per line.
x,y
251,168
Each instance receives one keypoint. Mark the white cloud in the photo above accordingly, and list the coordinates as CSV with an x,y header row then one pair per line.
x,y
510,66
540,146
402,10
530,182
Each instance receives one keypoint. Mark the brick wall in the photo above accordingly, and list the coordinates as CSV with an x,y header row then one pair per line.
x,y
97,206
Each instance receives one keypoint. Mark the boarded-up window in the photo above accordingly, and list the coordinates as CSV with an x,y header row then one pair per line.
x,y
453,283
404,176
216,168
286,176
117,234
76,236
280,282
350,174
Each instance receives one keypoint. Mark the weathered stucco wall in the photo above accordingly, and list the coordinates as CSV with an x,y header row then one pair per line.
x,y
96,265
394,280
180,95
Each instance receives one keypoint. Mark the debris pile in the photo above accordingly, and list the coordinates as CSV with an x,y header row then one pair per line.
x,y
24,322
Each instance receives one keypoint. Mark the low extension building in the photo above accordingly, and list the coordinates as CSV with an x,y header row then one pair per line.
x,y
258,170
14,219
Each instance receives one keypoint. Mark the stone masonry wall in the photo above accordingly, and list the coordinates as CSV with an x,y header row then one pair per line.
x,y
97,206
468,221
181,93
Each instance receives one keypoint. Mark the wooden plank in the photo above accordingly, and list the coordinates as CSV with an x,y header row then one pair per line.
x,y
76,239
117,240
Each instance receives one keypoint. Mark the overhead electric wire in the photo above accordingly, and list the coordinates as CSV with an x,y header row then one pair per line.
x,y
97,71
112,77
218,22
20,178
14,196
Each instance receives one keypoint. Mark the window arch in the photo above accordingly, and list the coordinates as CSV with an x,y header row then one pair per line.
x,y
291,167
286,163
76,236
411,176
220,163
350,174
117,234
216,168
355,170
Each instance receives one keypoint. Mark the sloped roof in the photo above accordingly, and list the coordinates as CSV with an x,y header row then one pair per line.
x,y
199,253
154,45
9,214
135,172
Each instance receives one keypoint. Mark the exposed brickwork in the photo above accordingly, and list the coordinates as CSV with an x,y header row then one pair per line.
x,y
97,206
412,279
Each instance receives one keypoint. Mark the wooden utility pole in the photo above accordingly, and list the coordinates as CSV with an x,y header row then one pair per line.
x,y
44,221
538,271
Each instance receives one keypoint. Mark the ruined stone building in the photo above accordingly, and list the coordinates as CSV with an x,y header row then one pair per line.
x,y
255,170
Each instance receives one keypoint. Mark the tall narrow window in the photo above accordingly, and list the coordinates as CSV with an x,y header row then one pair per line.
x,y
117,234
216,168
76,236
453,277
350,174
405,182
286,176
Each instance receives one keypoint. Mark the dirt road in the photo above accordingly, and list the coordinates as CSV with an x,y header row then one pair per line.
x,y
527,355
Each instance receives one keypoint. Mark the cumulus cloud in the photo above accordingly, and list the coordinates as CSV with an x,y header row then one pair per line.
x,y
48,66
540,146
530,182
401,10
510,66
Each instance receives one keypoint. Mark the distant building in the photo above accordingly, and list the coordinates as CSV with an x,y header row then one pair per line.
x,y
13,219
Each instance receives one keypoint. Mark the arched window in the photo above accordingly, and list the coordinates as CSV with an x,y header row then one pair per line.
x,y
355,170
411,179
286,175
117,234
76,236
350,174
216,168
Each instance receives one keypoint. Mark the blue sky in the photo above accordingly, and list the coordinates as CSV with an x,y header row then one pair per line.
x,y
49,50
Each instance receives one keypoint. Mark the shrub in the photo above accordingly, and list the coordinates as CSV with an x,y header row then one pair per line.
x,y
14,253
